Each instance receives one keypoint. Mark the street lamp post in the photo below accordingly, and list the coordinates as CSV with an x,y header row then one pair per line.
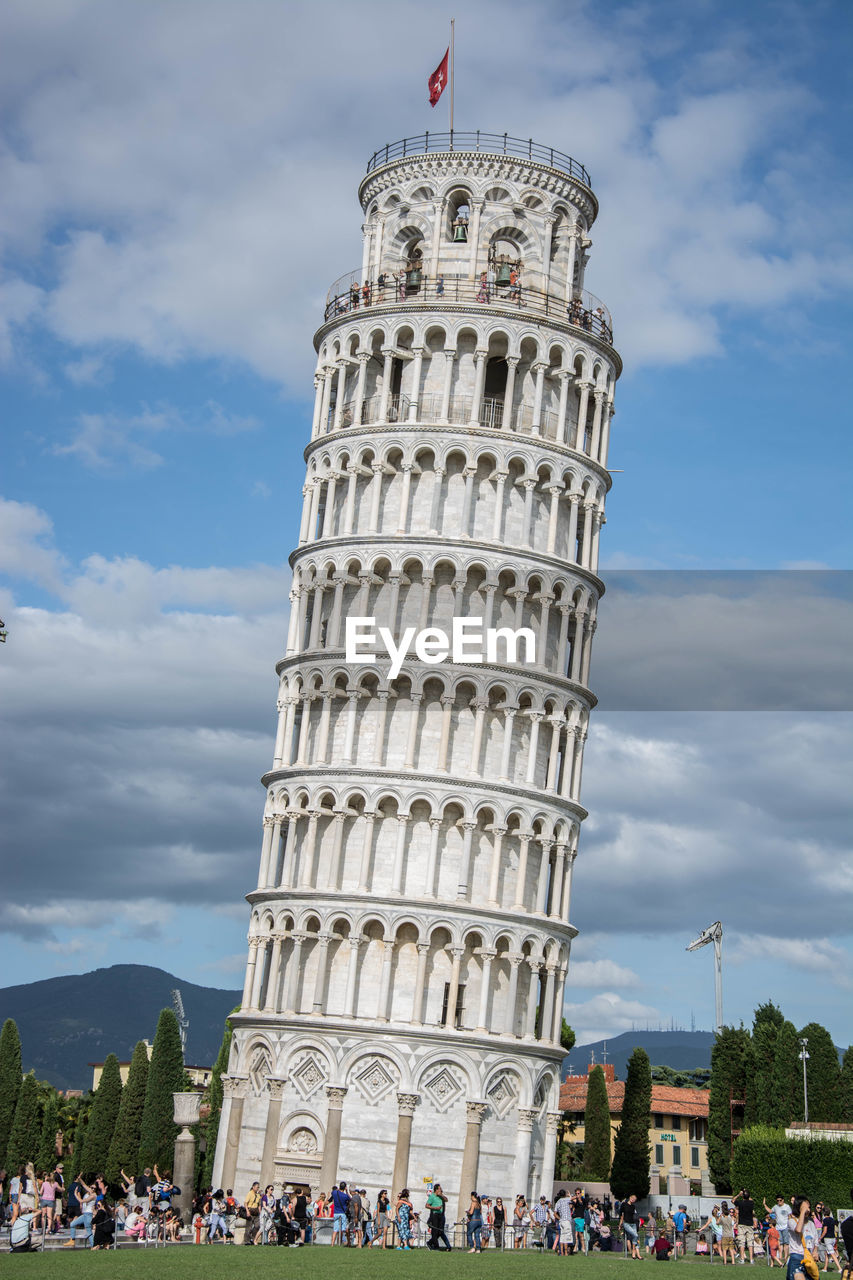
x,y
804,1057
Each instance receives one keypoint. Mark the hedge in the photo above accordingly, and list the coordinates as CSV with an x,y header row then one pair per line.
x,y
766,1162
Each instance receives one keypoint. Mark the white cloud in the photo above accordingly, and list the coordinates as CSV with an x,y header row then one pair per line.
x,y
608,1014
101,440
812,955
601,973
26,544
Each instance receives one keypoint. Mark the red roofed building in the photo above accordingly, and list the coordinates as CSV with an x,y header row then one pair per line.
x,y
678,1132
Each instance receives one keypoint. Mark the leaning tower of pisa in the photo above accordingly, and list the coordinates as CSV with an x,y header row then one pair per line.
x,y
410,930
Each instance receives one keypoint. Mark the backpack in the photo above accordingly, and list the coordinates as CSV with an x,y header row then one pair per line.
x,y
139,1187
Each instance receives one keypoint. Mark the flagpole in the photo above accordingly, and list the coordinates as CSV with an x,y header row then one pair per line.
x,y
452,72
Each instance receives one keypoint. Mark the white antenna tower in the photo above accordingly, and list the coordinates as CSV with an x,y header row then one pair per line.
x,y
183,1020
714,934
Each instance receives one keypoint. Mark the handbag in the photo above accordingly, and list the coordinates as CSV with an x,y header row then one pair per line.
x,y
810,1267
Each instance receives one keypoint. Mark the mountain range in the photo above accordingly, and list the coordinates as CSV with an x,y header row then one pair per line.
x,y
683,1050
68,1022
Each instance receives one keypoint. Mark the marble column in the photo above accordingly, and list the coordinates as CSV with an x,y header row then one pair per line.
x,y
234,1101
271,1133
521,1169
406,1103
552,1125
470,1155
332,1147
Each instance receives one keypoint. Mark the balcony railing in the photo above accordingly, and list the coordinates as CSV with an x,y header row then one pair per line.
x,y
350,294
493,144
458,413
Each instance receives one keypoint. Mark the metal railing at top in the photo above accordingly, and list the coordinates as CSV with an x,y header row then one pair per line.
x,y
349,294
493,144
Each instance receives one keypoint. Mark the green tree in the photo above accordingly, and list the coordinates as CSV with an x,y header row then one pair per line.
x,y
11,1074
632,1152
761,1100
26,1127
845,1093
165,1076
214,1098
102,1119
124,1147
787,1077
596,1142
567,1036
47,1154
824,1073
730,1059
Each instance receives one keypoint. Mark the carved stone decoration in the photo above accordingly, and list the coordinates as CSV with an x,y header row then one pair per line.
x,y
406,1103
336,1095
526,1117
374,1079
260,1069
503,1095
308,1075
304,1141
474,1111
443,1088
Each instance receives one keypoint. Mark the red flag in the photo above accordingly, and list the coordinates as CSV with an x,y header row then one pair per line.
x,y
438,80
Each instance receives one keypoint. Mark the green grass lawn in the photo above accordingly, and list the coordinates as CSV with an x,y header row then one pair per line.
x,y
322,1263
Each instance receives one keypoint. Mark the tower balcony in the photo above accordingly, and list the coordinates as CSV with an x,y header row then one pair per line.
x,y
492,144
350,294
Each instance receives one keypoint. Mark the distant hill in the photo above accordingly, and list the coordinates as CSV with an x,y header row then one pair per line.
x,y
684,1050
66,1023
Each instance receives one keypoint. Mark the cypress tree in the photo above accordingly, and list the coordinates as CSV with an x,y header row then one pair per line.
x,y
50,1125
632,1151
596,1143
11,1074
165,1076
102,1119
215,1095
824,1073
760,1098
124,1148
845,1092
567,1036
787,1077
26,1127
730,1059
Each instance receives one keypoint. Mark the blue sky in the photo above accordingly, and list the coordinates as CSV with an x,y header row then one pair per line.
x,y
179,191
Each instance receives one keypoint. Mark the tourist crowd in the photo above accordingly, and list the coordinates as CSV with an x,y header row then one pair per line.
x,y
796,1235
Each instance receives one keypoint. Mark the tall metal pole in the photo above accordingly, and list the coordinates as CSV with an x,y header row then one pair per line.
x,y
804,1055
718,979
452,70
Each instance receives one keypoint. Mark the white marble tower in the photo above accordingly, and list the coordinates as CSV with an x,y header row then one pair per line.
x,y
410,935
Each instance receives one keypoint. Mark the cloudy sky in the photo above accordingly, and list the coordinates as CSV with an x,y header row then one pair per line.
x,y
179,188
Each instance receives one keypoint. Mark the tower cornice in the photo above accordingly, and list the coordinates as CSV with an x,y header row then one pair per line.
x,y
412,780
519,441
410,541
